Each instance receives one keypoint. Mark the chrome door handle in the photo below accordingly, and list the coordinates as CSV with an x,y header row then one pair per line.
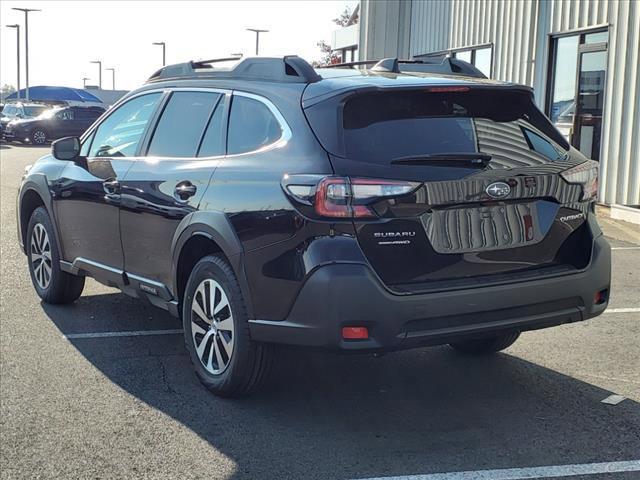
x,y
111,186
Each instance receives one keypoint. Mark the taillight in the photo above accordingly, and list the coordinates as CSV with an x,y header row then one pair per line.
x,y
342,197
332,197
585,174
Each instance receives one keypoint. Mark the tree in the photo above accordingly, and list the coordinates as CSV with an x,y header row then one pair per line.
x,y
6,90
329,57
345,16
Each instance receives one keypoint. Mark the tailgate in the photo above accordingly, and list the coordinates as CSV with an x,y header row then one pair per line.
x,y
491,202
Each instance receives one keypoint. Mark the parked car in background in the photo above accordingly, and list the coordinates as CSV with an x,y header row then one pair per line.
x,y
52,124
18,111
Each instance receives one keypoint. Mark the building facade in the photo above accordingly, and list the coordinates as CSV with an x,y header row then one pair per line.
x,y
581,57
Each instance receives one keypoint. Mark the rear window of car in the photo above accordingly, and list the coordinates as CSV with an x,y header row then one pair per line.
x,y
34,111
383,127
88,113
379,127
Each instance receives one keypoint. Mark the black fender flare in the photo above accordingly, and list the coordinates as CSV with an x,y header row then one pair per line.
x,y
214,225
39,184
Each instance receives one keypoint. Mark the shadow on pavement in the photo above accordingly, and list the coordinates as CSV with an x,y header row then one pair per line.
x,y
9,146
329,416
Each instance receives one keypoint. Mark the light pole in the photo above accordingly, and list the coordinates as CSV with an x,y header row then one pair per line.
x,y
17,27
26,44
99,72
84,81
113,77
164,51
258,32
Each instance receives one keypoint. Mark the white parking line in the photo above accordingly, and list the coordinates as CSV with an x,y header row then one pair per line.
x,y
622,310
625,248
527,473
130,333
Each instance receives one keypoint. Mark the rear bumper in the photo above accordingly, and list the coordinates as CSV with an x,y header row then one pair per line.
x,y
344,294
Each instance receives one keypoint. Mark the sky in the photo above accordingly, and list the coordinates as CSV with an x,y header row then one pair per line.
x,y
66,35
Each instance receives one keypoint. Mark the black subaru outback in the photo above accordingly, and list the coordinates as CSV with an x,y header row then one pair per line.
x,y
344,209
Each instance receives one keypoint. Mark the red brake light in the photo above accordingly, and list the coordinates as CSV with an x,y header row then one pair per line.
x,y
342,197
448,89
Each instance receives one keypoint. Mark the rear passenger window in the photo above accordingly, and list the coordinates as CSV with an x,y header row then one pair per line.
x,y
214,138
182,124
251,126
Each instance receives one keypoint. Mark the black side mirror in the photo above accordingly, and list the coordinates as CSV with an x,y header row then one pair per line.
x,y
66,148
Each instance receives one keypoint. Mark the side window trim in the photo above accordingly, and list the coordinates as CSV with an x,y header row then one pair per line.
x,y
145,142
206,124
285,136
226,98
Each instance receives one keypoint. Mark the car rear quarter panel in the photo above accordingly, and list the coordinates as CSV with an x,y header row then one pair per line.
x,y
246,188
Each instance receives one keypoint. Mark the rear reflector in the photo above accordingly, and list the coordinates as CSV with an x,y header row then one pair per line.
x,y
355,333
600,297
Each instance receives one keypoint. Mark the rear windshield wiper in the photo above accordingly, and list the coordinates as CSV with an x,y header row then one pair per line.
x,y
449,159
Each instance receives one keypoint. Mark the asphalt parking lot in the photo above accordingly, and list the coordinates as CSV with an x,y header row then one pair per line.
x,y
88,406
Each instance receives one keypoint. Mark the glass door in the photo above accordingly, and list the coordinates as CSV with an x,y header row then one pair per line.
x,y
576,88
587,125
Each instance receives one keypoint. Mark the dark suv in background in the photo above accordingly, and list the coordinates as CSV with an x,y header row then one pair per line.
x,y
18,111
343,209
52,124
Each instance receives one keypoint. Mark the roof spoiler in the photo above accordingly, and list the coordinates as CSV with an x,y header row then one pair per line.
x,y
448,66
290,69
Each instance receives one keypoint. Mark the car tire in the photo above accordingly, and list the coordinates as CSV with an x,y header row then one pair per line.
x,y
51,283
216,332
483,346
38,137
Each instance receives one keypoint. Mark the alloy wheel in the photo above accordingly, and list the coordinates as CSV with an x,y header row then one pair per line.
x,y
41,256
212,328
39,137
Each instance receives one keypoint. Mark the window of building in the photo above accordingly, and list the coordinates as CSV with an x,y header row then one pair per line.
x,y
482,60
182,124
480,57
464,55
575,89
251,126
120,133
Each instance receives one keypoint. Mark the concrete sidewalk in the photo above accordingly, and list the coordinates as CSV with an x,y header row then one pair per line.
x,y
618,229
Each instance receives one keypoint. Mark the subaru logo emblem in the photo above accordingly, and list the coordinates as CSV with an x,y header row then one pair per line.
x,y
498,190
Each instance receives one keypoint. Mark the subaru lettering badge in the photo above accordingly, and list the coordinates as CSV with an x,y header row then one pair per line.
x,y
498,190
